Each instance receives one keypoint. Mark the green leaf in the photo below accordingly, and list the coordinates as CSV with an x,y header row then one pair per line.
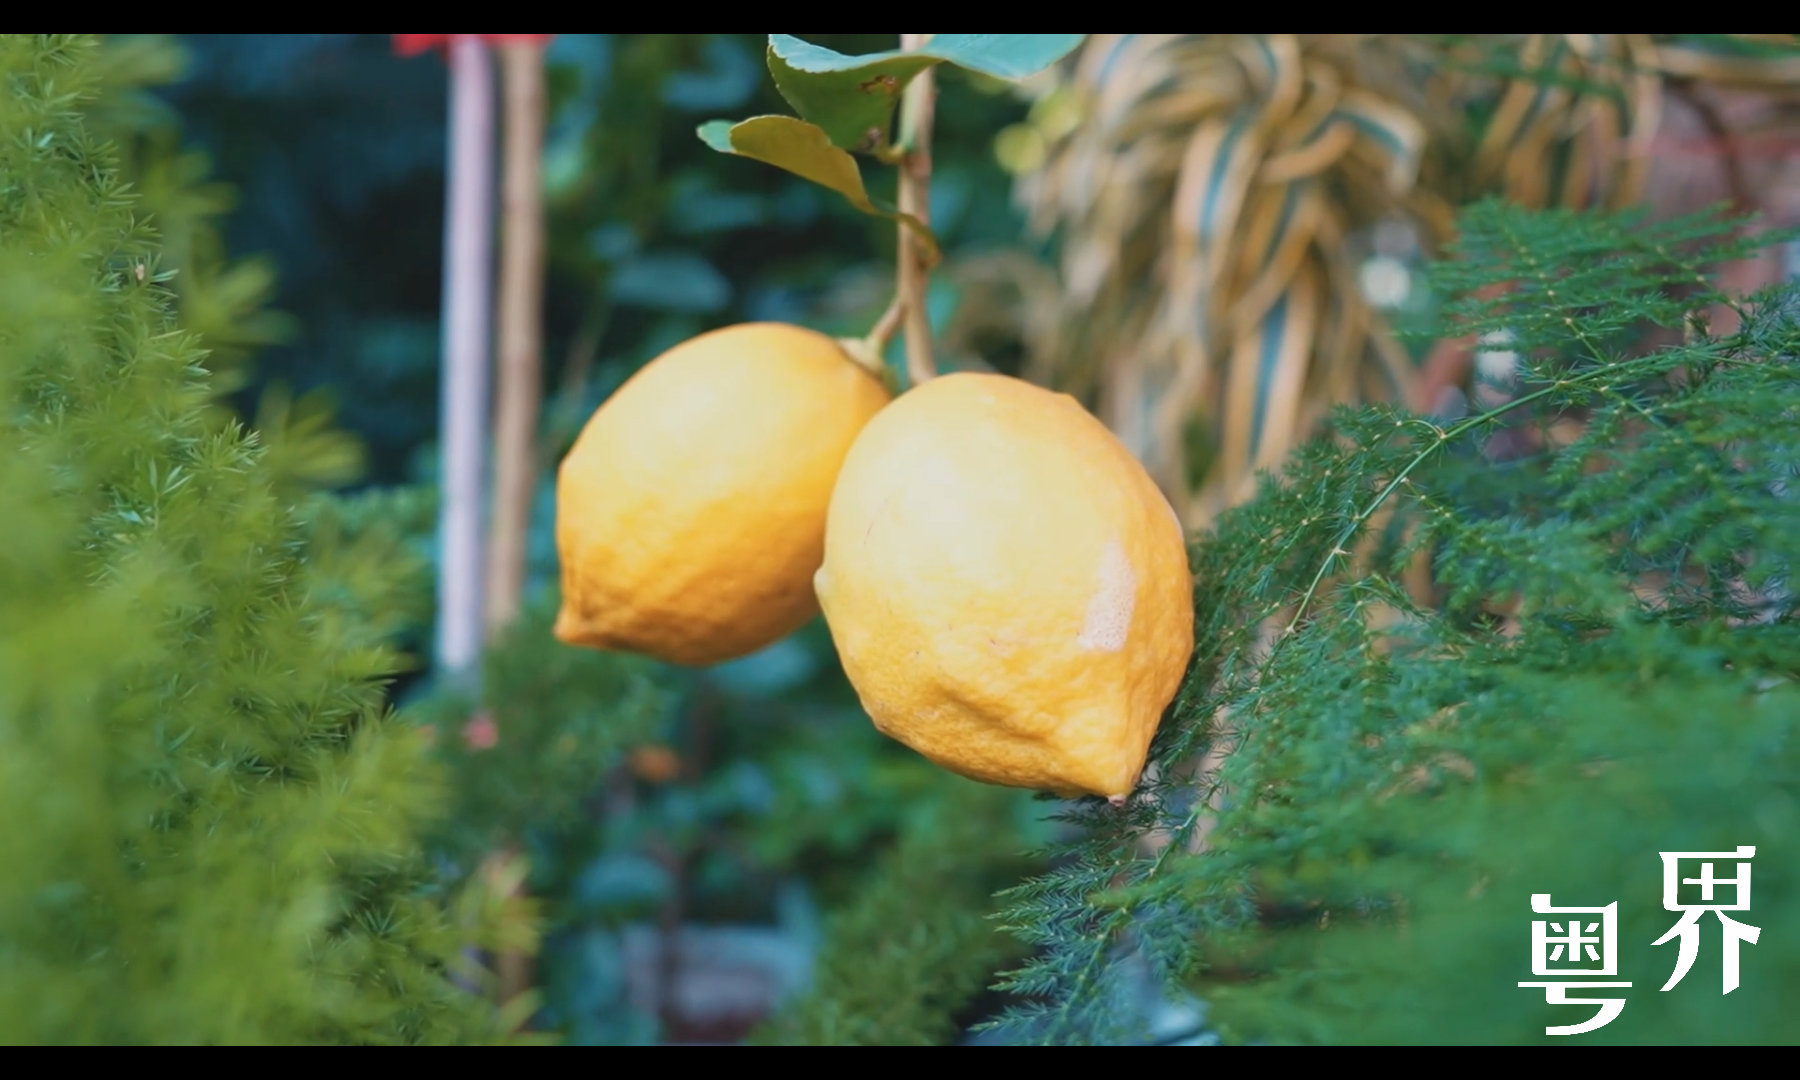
x,y
716,134
806,151
1004,56
795,145
852,97
853,105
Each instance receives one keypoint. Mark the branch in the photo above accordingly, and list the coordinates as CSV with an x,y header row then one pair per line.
x,y
916,114
520,332
519,382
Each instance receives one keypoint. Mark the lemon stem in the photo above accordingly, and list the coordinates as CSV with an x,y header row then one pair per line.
x,y
916,113
870,351
883,331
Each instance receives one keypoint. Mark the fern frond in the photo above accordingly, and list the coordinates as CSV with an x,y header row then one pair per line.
x,y
1613,542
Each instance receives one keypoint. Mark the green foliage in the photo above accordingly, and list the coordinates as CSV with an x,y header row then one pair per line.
x,y
853,97
783,789
215,819
220,299
1574,695
377,538
1447,667
911,948
552,719
806,151
747,798
846,103
223,301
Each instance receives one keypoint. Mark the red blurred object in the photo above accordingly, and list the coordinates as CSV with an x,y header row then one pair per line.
x,y
414,44
481,733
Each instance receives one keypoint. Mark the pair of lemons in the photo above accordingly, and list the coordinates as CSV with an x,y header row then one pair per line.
x,y
1008,590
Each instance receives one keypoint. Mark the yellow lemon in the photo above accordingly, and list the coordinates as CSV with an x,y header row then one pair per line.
x,y
1008,590
690,514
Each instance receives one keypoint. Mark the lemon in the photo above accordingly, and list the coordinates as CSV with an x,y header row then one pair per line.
x,y
690,513
1008,590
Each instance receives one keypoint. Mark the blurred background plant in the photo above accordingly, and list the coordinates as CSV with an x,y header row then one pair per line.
x,y
219,818
1230,233
1243,218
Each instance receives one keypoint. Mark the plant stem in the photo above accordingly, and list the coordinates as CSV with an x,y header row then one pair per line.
x,y
519,380
868,351
883,331
468,227
916,114
521,303
578,368
1440,437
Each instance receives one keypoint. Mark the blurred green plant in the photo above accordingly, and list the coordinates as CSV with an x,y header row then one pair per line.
x,y
915,944
219,818
221,300
654,800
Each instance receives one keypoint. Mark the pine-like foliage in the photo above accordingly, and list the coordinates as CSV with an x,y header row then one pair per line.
x,y
211,821
910,949
1370,769
221,299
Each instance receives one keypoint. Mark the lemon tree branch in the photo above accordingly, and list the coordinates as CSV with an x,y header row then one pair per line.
x,y
916,115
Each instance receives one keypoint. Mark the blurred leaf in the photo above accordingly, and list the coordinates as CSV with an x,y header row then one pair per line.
x,y
561,717
696,207
128,67
678,281
728,81
613,242
623,881
780,667
806,151
302,444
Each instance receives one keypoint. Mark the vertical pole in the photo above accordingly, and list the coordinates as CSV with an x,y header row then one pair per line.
x,y
468,249
519,380
519,384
